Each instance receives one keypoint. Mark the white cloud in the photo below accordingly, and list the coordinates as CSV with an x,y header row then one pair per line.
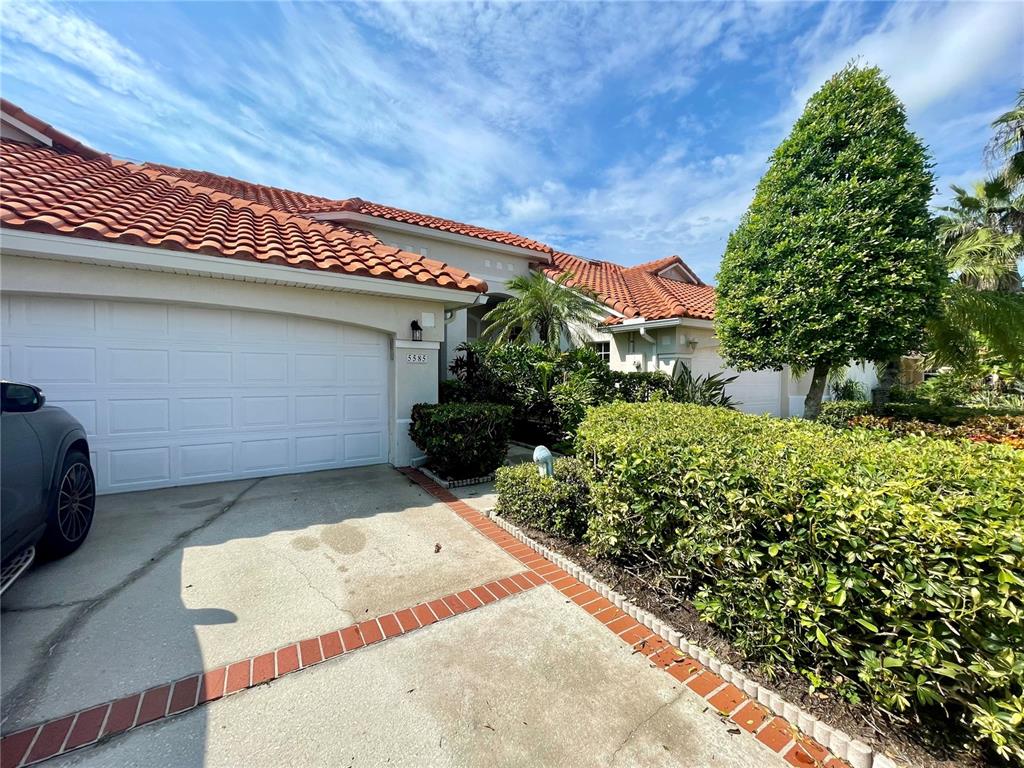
x,y
500,113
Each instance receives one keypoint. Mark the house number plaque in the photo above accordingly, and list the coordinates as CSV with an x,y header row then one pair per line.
x,y
417,358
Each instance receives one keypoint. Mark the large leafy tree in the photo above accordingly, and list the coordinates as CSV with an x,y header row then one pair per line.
x,y
551,309
836,258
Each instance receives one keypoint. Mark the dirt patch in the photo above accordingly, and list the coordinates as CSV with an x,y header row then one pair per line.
x,y
910,743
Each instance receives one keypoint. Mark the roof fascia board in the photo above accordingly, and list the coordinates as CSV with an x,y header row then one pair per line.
x,y
67,248
27,129
362,220
637,323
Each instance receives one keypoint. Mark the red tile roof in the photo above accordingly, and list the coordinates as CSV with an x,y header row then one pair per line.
x,y
93,196
299,202
59,138
638,291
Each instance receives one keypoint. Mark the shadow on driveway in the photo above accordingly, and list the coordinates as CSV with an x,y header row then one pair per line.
x,y
174,581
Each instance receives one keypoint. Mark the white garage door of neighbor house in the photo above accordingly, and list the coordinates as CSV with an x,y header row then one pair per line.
x,y
753,391
171,394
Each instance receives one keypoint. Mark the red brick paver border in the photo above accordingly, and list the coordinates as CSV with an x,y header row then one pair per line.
x,y
79,729
775,733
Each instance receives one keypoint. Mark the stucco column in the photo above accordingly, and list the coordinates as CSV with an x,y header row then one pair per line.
x,y
415,365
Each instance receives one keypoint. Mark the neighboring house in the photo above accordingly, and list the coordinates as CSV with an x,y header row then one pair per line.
x,y
660,314
199,335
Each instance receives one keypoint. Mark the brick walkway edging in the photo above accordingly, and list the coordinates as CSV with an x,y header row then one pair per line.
x,y
102,722
636,627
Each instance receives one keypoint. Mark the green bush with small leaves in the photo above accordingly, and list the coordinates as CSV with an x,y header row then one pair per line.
x,y
891,569
559,504
837,413
462,440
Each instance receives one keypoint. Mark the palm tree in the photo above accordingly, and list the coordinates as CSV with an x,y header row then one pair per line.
x,y
983,306
548,307
1007,145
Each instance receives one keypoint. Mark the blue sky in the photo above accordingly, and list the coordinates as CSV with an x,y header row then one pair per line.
x,y
621,131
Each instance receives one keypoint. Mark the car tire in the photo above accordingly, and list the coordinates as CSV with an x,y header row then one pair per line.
x,y
72,505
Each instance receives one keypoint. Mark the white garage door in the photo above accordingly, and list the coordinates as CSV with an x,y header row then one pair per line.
x,y
172,394
753,391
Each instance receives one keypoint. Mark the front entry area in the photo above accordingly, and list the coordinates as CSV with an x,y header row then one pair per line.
x,y
174,394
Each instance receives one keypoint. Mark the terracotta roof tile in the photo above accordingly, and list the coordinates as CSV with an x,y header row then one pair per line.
x,y
638,291
93,196
299,202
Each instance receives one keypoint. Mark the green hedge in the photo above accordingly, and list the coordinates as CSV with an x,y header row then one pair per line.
x,y
559,504
887,568
837,413
462,440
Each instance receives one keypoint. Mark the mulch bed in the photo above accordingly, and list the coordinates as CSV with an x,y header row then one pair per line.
x,y
907,742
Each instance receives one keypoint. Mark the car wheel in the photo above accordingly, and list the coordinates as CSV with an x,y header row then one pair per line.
x,y
71,508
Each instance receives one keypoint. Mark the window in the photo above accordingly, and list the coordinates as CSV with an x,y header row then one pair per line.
x,y
603,349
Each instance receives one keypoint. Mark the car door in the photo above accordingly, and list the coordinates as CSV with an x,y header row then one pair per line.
x,y
21,480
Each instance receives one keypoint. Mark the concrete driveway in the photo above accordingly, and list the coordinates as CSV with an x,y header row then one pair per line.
x,y
175,582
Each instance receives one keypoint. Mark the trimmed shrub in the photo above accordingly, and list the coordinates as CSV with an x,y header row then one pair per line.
x,y
641,386
455,391
839,412
462,440
886,568
559,504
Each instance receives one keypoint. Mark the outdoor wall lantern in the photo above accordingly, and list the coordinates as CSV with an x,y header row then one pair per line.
x,y
417,331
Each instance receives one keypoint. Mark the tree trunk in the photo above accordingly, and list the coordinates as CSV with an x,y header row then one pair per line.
x,y
812,403
888,379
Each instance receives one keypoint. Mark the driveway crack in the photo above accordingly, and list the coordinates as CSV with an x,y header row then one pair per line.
x,y
306,578
14,699
633,731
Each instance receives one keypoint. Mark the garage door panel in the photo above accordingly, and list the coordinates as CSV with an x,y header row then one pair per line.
x,y
316,409
59,365
363,446
205,413
201,323
51,314
132,466
262,368
139,416
315,450
198,366
137,320
367,406
135,366
206,460
216,397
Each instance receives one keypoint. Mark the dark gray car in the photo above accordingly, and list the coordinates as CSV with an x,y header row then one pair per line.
x,y
47,484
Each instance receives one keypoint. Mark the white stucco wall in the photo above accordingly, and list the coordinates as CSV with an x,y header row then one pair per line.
x,y
497,267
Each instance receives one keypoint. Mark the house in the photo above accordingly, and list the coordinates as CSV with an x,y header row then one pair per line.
x,y
660,314
199,335
206,328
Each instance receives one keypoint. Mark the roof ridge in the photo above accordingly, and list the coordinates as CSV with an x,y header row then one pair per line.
x,y
58,137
